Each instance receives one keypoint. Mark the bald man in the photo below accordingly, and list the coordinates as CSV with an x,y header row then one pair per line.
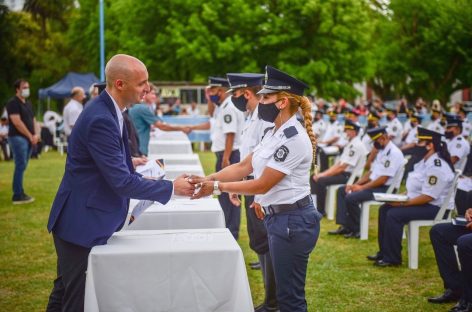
x,y
73,109
93,198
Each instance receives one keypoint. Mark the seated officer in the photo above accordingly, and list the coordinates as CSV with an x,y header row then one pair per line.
x,y
458,147
388,161
394,126
411,145
372,122
341,171
331,137
427,186
319,125
457,282
435,124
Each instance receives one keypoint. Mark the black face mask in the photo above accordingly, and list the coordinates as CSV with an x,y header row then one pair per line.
x,y
240,102
332,120
370,125
449,134
390,118
268,112
378,146
433,118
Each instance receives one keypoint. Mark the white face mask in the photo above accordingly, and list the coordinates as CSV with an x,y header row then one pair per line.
x,y
25,93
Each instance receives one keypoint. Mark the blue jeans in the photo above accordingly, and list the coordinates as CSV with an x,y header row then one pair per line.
x,y
292,237
21,150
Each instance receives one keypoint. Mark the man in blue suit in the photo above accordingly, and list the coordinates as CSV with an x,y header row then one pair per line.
x,y
93,198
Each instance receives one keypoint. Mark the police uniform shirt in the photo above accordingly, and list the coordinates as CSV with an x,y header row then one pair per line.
x,y
253,132
228,120
319,128
367,142
395,129
289,151
432,177
213,123
466,129
387,162
459,147
435,125
332,130
412,136
343,140
352,153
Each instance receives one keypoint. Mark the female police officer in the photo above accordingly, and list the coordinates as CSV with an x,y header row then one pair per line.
x,y
427,186
281,165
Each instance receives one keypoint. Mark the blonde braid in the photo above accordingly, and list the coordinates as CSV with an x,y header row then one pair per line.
x,y
297,101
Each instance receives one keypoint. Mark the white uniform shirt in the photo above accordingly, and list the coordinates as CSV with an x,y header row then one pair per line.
x,y
412,136
290,155
387,162
228,120
319,128
459,147
432,177
71,112
436,126
352,153
395,130
254,130
466,128
367,141
213,123
332,130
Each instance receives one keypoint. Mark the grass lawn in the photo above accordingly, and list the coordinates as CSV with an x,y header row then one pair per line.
x,y
339,276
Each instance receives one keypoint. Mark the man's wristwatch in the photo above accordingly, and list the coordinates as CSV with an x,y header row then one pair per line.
x,y
216,189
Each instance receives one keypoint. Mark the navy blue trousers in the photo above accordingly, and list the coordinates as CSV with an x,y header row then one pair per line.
x,y
348,212
391,223
292,237
443,237
232,213
320,187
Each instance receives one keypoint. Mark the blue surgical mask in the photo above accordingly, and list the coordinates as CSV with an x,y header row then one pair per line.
x,y
215,99
268,112
240,102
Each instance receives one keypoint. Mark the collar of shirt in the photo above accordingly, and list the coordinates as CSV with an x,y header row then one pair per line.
x,y
430,160
119,113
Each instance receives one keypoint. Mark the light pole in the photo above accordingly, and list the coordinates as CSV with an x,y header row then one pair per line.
x,y
102,41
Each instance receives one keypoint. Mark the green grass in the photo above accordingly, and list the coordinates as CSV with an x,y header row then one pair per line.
x,y
339,277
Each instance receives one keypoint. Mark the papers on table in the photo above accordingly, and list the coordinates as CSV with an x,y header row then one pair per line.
x,y
153,169
383,197
460,221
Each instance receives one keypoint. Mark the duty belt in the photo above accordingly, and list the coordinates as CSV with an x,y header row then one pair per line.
x,y
274,209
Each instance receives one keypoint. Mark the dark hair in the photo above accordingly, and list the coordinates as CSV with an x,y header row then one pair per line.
x,y
18,83
441,148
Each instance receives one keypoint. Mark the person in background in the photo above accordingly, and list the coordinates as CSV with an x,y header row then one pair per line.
x,y
319,125
73,109
194,110
22,136
435,124
4,138
466,125
394,126
458,147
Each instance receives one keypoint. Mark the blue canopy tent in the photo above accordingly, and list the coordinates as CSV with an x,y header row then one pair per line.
x,y
62,88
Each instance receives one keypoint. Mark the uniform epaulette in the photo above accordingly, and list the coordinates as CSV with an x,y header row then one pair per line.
x,y
268,129
459,138
388,153
290,132
226,104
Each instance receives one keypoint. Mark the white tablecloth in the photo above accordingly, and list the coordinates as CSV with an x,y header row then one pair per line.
x,y
173,171
205,213
170,147
157,135
179,271
177,159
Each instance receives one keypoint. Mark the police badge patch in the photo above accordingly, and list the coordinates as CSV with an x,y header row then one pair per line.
x,y
351,153
281,153
387,164
432,180
394,129
227,118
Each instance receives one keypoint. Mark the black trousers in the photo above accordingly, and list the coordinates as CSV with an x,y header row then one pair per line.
x,y
69,286
443,238
232,212
319,188
463,201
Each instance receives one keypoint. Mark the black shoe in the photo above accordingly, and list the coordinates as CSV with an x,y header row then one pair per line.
x,y
352,235
375,257
339,231
255,265
264,308
462,306
22,199
384,264
448,296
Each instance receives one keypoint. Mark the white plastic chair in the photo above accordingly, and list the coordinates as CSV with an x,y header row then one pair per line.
x,y
331,190
365,207
414,226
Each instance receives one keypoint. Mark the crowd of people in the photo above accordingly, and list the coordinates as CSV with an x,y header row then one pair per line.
x,y
273,146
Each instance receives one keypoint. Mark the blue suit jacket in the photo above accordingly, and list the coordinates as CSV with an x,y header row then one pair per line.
x,y
93,198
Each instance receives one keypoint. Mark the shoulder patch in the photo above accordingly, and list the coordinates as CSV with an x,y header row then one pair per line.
x,y
227,118
459,138
432,180
225,105
437,162
290,132
387,163
281,153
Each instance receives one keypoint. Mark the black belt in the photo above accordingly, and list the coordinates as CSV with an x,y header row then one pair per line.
x,y
301,203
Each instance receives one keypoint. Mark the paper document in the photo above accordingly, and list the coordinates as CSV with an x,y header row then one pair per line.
x,y
384,197
460,221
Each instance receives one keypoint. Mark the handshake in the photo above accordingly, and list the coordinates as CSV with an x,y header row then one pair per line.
x,y
193,186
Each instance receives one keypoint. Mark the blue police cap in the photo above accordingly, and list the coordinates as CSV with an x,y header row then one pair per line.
x,y
218,82
244,80
453,121
278,81
375,133
416,118
425,134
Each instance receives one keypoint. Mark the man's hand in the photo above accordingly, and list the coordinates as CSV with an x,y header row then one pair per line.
x,y
183,187
468,217
193,179
234,199
34,139
186,130
316,177
356,188
205,189
138,161
225,163
260,214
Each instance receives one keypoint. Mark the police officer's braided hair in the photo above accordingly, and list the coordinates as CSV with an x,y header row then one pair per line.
x,y
297,101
